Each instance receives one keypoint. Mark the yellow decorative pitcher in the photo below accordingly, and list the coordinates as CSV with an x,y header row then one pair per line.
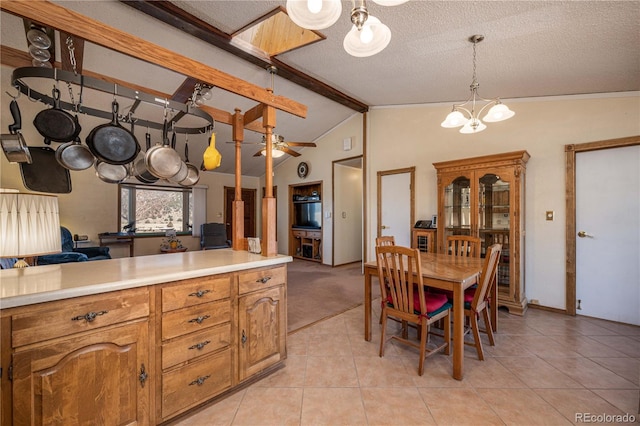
x,y
212,157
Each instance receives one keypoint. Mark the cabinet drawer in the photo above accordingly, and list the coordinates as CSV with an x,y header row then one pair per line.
x,y
299,234
195,344
187,320
260,278
316,235
195,291
66,317
194,383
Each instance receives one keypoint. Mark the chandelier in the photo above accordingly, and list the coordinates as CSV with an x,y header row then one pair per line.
x,y
368,35
470,122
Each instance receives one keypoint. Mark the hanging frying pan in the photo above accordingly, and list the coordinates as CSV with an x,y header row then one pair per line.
x,y
184,170
45,174
55,124
13,144
161,160
112,143
74,155
140,170
111,173
193,174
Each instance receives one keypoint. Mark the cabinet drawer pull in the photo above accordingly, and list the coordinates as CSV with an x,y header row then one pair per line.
x,y
200,345
244,338
143,375
89,316
200,293
263,280
200,380
200,319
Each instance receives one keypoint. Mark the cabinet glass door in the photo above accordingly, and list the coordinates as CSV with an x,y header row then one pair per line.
x,y
493,219
457,207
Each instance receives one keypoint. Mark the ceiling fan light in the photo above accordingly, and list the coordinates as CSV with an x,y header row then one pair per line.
x,y
275,153
454,119
470,128
389,2
498,112
301,15
356,46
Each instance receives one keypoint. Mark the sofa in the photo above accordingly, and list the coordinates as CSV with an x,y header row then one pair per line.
x,y
72,254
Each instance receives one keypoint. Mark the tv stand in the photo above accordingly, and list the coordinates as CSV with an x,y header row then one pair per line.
x,y
305,242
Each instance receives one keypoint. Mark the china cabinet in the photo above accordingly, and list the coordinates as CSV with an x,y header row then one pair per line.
x,y
484,197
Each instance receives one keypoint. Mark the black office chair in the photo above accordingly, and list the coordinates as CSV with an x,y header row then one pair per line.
x,y
214,236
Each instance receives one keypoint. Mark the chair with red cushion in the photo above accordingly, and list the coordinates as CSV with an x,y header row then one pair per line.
x,y
463,245
477,301
407,299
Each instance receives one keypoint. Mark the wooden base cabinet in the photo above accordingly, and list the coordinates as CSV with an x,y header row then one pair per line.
x,y
484,197
262,320
84,361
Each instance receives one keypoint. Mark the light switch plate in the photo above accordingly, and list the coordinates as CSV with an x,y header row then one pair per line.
x,y
549,214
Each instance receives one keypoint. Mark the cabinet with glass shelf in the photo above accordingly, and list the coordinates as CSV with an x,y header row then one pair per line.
x,y
484,197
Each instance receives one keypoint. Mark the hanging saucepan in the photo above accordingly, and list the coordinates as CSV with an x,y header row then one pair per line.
x,y
55,124
111,173
74,155
193,175
112,143
13,144
140,168
161,160
184,170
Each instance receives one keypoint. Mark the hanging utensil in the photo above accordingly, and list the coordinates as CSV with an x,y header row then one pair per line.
x,y
193,174
55,124
161,160
211,157
45,174
73,155
140,168
184,170
112,143
13,144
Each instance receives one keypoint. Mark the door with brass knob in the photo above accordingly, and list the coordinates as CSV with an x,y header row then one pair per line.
x,y
395,209
583,234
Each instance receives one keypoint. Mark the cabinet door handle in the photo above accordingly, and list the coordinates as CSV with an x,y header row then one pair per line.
x,y
200,345
244,338
200,380
143,375
200,319
200,293
89,316
263,280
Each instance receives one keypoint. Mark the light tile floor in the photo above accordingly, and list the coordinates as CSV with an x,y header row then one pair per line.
x,y
546,368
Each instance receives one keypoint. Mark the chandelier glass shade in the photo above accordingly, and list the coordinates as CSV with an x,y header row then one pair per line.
x,y
467,115
368,35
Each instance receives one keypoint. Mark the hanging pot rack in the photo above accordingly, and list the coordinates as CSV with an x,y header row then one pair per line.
x,y
181,110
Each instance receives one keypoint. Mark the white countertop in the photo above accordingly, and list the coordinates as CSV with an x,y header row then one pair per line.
x,y
19,287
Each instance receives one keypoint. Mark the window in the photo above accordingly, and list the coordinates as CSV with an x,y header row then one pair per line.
x,y
152,210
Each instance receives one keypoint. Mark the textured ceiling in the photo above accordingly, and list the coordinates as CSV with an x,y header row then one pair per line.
x,y
531,49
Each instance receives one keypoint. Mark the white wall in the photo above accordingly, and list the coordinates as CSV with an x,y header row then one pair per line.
x,y
320,164
412,136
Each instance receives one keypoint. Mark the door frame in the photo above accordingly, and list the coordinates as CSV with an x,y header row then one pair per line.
x,y
229,195
570,229
412,189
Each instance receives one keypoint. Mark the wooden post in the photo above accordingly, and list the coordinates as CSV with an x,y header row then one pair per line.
x,y
269,246
237,223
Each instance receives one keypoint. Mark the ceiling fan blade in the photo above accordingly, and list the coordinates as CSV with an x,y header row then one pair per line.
x,y
289,151
301,144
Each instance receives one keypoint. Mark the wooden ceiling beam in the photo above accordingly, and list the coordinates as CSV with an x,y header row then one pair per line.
x,y
171,14
62,19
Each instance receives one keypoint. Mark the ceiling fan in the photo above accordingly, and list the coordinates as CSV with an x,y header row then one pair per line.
x,y
279,146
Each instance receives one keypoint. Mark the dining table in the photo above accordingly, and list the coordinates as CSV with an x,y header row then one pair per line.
x,y
441,271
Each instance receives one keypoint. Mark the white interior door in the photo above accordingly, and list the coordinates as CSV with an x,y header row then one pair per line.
x,y
395,203
608,240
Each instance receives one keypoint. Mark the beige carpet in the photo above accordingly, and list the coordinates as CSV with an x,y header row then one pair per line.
x,y
317,291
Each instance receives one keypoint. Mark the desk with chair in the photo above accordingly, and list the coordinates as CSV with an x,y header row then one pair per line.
x,y
439,271
117,238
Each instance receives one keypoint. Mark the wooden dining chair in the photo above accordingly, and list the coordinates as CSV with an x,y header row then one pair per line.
x,y
477,300
406,298
463,245
386,240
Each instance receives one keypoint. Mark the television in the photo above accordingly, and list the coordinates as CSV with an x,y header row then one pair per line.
x,y
308,215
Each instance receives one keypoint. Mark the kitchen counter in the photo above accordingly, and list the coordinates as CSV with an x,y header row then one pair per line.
x,y
21,287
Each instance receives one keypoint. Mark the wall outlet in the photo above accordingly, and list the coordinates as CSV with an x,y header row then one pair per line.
x,y
534,302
